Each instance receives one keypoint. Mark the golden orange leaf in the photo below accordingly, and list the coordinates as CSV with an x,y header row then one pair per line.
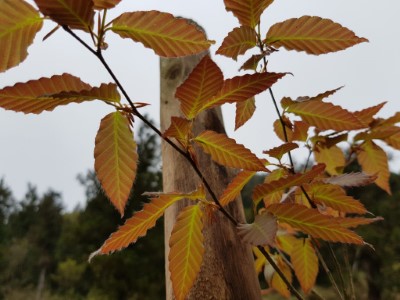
x,y
285,242
367,115
280,133
261,190
281,150
355,222
286,101
115,158
311,222
19,23
203,83
186,250
77,14
313,35
106,92
138,225
253,61
36,96
235,186
241,88
300,131
227,152
378,133
244,111
305,263
248,12
180,129
333,157
276,281
394,141
238,41
274,197
334,196
325,116
261,232
176,37
373,161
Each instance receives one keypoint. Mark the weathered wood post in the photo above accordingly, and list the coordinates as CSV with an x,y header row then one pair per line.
x,y
228,268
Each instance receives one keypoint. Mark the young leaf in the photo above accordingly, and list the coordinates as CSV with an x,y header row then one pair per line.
x,y
77,14
167,35
261,190
203,83
227,152
261,232
238,41
180,129
305,263
325,116
248,12
333,157
36,96
143,220
351,179
105,4
186,250
281,150
235,186
313,35
241,88
106,92
367,115
19,23
310,221
244,111
115,158
334,196
253,61
373,160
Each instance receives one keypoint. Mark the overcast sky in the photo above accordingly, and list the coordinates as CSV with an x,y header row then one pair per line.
x,y
51,149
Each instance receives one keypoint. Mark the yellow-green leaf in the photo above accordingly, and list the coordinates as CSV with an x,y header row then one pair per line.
x,y
248,12
373,161
312,222
36,96
143,220
180,129
77,14
244,111
313,35
203,83
167,35
333,157
325,116
115,158
238,41
235,186
19,23
305,263
186,250
227,152
261,232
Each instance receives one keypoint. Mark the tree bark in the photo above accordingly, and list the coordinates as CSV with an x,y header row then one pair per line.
x,y
228,270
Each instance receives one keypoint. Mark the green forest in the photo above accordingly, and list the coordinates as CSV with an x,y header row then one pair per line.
x,y
44,249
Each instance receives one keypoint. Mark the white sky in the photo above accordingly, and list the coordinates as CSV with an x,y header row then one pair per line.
x,y
50,149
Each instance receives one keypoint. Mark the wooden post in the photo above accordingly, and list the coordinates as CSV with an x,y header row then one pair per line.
x,y
228,270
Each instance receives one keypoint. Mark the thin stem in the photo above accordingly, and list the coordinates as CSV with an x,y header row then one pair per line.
x,y
338,269
350,272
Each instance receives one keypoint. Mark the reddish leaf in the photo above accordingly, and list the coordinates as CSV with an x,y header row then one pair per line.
x,y
313,35
351,179
305,263
180,129
143,220
261,190
325,116
176,37
261,232
235,186
106,92
286,101
390,121
202,84
335,197
19,23
300,131
310,221
186,250
244,111
105,4
355,222
253,61
238,41
36,96
77,14
241,88
333,157
247,11
280,133
281,150
227,152
367,115
115,158
373,161
378,133
394,141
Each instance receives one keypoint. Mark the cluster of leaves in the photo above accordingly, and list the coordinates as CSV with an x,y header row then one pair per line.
x,y
292,209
